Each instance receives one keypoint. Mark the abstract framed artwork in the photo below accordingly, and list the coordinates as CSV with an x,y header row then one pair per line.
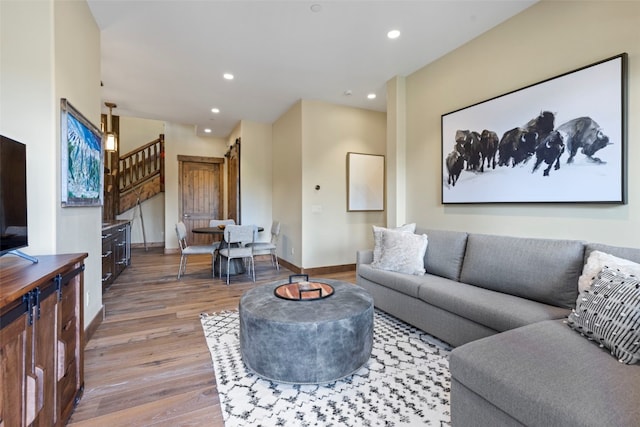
x,y
365,182
562,140
81,157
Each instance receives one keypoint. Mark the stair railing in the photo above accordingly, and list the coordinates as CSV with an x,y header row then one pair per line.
x,y
141,165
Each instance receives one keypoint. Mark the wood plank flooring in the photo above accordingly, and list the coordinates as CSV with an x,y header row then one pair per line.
x,y
148,363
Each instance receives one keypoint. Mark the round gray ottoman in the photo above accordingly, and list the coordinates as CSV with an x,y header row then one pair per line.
x,y
306,342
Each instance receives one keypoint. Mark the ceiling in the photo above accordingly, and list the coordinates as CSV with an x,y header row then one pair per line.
x,y
165,60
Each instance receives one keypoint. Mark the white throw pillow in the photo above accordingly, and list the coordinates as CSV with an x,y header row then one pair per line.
x,y
597,261
402,252
377,237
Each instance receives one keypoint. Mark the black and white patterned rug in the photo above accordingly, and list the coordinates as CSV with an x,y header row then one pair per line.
x,y
405,383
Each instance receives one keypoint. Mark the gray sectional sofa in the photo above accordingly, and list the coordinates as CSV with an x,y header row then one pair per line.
x,y
501,302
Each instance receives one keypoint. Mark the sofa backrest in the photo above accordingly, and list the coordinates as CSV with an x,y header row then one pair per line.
x,y
445,252
632,254
544,270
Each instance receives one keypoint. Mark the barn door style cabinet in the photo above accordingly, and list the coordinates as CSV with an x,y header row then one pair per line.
x,y
41,339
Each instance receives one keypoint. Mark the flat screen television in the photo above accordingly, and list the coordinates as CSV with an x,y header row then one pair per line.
x,y
13,195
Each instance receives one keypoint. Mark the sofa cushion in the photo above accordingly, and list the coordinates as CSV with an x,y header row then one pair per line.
x,y
609,313
495,310
445,252
402,252
547,372
597,260
543,270
405,283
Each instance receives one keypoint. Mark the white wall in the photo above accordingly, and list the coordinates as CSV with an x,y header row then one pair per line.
x,y
331,235
182,140
545,40
134,133
51,50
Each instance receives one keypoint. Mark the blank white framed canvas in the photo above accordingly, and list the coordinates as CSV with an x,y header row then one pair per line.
x,y
365,182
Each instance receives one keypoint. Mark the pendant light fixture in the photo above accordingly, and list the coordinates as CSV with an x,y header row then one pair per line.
x,y
111,139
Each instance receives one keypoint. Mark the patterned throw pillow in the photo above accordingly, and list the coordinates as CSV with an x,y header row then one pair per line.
x,y
609,313
402,252
377,237
597,260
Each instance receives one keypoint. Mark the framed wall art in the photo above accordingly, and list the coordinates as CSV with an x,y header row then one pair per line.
x,y
562,140
365,182
82,159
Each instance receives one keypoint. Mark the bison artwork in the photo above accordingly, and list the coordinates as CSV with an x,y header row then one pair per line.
x,y
584,133
549,151
488,149
519,144
455,164
516,146
543,124
468,144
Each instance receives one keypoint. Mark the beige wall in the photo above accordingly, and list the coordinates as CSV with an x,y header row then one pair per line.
x,y
396,152
287,182
134,133
548,39
27,98
310,146
51,50
182,140
330,234
256,175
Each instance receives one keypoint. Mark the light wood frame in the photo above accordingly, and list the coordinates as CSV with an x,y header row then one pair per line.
x,y
365,182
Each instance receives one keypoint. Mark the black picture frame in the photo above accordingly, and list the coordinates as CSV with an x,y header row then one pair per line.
x,y
517,147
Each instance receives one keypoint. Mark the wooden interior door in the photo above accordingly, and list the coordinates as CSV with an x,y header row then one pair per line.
x,y
201,196
233,182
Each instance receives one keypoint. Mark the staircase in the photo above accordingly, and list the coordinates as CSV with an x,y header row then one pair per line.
x,y
140,174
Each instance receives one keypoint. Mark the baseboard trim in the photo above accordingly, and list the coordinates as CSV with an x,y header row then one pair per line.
x,y
329,269
168,251
93,326
149,245
289,266
318,270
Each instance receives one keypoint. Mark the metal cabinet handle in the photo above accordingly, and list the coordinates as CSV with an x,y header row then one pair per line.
x,y
108,253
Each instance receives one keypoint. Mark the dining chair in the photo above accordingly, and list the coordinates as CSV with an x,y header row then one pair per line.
x,y
235,236
216,223
186,250
270,247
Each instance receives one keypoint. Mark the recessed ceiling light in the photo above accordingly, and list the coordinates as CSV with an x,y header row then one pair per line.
x,y
215,110
228,76
348,92
393,34
316,7
371,96
207,130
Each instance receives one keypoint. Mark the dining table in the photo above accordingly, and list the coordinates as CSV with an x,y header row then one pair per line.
x,y
236,266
